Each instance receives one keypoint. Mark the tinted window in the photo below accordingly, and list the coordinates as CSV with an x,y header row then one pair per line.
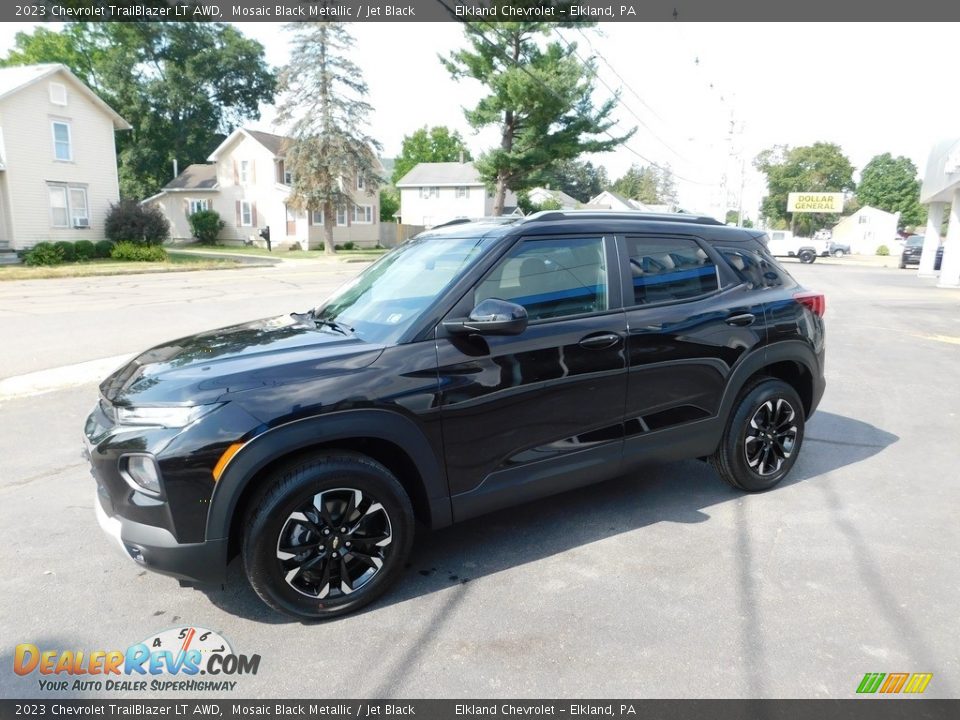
x,y
915,241
551,278
669,269
753,267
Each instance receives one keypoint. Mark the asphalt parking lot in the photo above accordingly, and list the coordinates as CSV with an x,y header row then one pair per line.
x,y
666,583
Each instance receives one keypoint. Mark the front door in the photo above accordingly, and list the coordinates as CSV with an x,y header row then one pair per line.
x,y
540,412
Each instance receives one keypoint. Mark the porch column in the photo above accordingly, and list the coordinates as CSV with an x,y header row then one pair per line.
x,y
931,240
950,270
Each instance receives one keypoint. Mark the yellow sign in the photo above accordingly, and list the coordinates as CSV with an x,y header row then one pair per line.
x,y
822,202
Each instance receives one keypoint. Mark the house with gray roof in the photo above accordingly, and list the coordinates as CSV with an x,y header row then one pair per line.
x,y
434,193
246,182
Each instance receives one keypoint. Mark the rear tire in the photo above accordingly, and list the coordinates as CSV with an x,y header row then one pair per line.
x,y
763,436
838,253
807,256
329,535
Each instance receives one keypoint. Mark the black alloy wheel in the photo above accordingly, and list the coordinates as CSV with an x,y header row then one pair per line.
x,y
328,535
763,436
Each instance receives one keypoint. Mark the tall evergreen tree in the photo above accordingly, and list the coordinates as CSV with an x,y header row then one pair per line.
x,y
324,107
538,94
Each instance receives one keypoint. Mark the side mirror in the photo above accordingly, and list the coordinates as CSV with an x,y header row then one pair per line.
x,y
491,317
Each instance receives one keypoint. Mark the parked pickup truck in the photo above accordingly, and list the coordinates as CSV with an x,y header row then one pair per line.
x,y
783,243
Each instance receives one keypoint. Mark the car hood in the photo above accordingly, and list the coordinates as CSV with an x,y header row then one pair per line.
x,y
206,367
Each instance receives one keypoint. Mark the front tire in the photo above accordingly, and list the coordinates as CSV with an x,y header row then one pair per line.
x,y
763,436
330,534
838,253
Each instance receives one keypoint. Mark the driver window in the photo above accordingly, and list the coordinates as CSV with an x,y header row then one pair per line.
x,y
551,278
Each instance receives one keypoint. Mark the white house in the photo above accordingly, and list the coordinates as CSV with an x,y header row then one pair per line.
x,y
866,230
246,182
433,193
609,200
539,196
58,162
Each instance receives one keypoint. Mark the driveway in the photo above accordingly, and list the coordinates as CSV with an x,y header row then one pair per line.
x,y
666,583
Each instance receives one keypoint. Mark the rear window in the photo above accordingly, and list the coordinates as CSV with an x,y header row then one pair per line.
x,y
667,269
756,268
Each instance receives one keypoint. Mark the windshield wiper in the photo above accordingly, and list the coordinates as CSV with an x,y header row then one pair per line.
x,y
311,317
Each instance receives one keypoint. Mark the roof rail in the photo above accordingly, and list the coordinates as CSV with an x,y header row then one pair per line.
x,y
499,220
553,215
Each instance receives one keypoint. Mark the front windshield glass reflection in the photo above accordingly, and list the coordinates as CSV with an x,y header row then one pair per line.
x,y
388,297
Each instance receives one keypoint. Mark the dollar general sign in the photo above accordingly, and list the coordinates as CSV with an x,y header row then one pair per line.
x,y
815,202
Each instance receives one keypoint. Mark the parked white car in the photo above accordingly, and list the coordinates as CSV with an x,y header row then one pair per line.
x,y
783,243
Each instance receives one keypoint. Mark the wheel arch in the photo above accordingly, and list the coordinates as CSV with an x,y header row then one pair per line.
x,y
387,437
792,361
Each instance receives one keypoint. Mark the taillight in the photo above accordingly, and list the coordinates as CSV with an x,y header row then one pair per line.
x,y
817,302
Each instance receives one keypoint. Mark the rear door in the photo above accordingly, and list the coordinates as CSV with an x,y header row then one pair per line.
x,y
689,320
537,413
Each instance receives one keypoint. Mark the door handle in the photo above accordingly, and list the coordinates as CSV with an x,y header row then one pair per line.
x,y
600,341
741,319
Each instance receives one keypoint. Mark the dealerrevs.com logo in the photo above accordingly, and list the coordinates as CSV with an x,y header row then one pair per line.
x,y
172,660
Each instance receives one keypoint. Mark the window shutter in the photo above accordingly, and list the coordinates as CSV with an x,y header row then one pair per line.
x,y
280,171
309,217
186,207
253,214
236,174
238,213
253,173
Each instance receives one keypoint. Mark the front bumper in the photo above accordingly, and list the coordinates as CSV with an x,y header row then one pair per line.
x,y
155,548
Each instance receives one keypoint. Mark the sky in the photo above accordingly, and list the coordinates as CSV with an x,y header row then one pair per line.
x,y
868,87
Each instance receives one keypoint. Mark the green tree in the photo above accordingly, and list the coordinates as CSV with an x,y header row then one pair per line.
x,y
436,144
640,183
821,167
892,184
182,86
578,179
539,95
389,204
325,108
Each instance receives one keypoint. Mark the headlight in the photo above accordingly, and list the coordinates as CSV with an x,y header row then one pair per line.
x,y
141,473
167,417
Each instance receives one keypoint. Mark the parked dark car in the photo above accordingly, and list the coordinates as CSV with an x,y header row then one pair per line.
x,y
913,249
475,367
836,249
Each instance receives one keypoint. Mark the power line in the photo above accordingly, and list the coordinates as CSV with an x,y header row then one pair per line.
x,y
527,72
626,107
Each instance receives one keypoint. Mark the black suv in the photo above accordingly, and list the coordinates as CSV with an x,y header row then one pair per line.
x,y
477,366
913,249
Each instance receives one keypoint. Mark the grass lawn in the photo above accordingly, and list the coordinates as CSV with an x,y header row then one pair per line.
x,y
281,253
176,262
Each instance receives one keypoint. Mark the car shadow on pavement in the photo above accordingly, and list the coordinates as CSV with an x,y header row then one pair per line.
x,y
675,492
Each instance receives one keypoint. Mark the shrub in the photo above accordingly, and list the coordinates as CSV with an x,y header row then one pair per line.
x,y
349,245
44,253
138,253
66,250
84,250
103,248
128,220
883,250
206,226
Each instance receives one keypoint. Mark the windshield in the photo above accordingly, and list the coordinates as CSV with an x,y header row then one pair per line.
x,y
381,303
915,241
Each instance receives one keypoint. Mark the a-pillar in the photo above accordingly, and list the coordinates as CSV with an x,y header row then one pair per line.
x,y
950,270
931,240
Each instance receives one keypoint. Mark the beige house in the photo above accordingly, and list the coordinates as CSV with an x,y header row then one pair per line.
x,y
246,183
866,230
58,163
